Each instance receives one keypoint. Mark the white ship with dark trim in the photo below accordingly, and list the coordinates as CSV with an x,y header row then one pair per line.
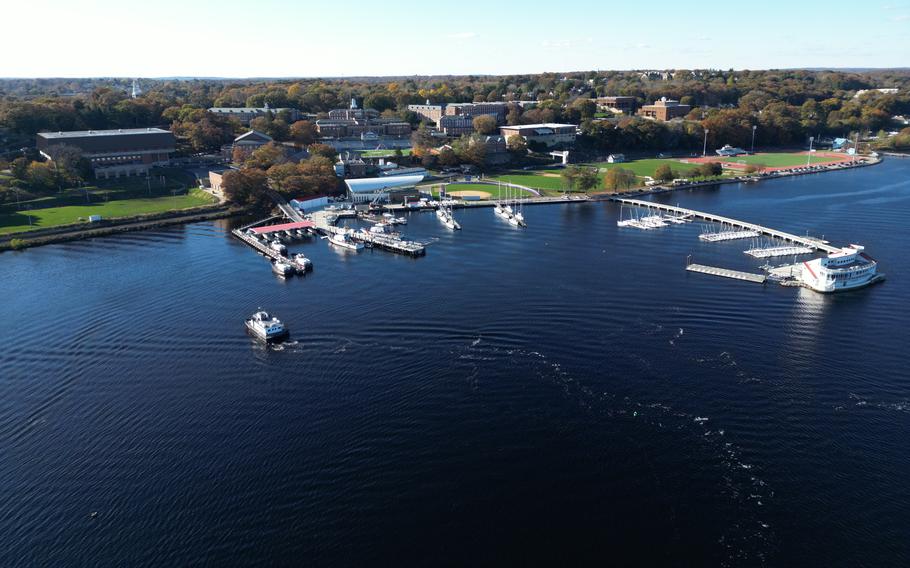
x,y
847,269
266,327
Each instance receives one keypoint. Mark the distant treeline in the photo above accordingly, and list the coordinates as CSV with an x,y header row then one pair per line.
x,y
787,106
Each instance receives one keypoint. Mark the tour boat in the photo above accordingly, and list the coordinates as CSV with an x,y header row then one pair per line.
x,y
278,246
282,269
344,241
301,262
266,327
847,269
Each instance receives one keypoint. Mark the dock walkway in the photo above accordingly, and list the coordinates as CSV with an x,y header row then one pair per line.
x,y
727,273
805,241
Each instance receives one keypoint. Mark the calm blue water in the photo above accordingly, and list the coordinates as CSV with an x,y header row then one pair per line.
x,y
561,394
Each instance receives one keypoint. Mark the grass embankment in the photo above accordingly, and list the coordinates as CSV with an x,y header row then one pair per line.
x,y
112,199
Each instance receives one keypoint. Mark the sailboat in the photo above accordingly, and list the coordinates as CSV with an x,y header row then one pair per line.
x,y
519,215
498,209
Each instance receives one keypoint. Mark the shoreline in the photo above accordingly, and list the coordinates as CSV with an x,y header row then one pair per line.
x,y
65,233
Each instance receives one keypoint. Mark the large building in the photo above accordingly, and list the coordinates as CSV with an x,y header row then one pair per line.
x,y
664,109
246,114
548,134
114,153
625,105
353,128
456,125
429,112
499,110
384,188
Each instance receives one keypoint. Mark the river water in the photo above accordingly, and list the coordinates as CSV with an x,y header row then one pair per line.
x,y
561,394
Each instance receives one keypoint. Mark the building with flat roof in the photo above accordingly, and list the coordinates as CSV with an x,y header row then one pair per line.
x,y
548,134
499,110
113,153
625,105
428,112
664,109
456,125
246,114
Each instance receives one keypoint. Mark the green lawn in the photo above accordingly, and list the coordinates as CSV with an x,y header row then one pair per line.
x,y
544,180
13,221
384,153
777,159
646,167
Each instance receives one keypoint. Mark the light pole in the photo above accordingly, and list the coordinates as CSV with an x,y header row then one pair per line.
x,y
704,150
809,155
754,126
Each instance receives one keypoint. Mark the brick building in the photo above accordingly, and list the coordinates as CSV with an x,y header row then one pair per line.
x,y
113,153
625,105
245,114
664,109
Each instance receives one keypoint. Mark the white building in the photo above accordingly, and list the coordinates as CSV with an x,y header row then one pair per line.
x,y
367,189
310,204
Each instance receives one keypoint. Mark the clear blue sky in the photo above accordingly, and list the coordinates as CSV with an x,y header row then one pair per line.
x,y
230,38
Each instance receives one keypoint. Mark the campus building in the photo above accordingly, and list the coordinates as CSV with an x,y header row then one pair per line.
x,y
548,134
428,112
245,114
664,109
114,153
625,105
456,125
498,110
384,188
248,142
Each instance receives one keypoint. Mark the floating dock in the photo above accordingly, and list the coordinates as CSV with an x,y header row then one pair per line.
x,y
769,252
728,235
727,273
815,244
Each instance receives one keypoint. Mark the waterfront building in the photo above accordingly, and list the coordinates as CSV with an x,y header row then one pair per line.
x,y
548,134
369,189
845,269
664,109
113,153
309,204
624,105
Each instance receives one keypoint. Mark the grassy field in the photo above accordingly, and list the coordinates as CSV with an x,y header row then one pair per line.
x,y
778,159
12,221
494,191
384,153
549,180
647,167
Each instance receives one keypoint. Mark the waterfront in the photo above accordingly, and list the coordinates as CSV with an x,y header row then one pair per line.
x,y
544,395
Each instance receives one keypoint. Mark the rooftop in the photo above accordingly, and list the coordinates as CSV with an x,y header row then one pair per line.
x,y
84,133
543,125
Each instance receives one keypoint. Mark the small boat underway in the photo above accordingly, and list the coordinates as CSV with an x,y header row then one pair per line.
x,y
266,327
344,241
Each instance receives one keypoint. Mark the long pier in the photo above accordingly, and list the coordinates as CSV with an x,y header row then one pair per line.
x,y
273,254
727,273
325,223
805,241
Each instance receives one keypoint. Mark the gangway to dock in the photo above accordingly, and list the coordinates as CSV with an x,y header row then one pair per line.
x,y
810,242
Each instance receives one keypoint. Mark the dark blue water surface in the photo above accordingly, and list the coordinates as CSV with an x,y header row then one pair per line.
x,y
562,394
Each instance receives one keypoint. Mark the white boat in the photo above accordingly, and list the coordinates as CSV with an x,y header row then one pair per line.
x,y
282,269
393,220
266,327
847,269
447,219
344,240
278,246
301,262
